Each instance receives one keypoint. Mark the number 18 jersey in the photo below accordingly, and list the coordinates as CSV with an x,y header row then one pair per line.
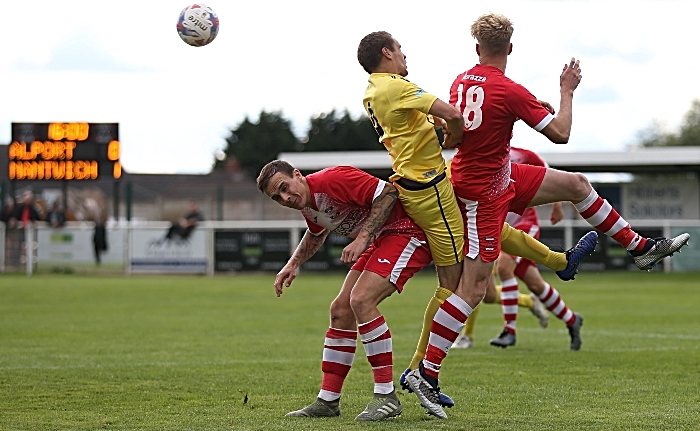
x,y
491,103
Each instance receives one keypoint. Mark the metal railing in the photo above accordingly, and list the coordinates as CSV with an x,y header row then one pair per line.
x,y
255,245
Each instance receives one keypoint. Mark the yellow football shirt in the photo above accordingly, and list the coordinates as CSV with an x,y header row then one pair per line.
x,y
399,110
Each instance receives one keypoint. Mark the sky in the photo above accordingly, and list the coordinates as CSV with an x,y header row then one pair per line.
x,y
122,61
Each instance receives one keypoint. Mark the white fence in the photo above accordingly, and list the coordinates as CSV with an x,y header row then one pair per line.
x,y
232,246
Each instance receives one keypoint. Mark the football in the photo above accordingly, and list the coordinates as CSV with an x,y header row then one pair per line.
x,y
197,25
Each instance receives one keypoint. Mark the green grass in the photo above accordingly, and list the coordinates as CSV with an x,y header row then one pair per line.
x,y
82,352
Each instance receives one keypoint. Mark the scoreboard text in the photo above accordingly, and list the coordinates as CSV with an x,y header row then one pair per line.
x,y
64,151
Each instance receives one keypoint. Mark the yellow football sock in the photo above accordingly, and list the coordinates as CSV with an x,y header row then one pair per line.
x,y
525,301
518,243
471,322
441,294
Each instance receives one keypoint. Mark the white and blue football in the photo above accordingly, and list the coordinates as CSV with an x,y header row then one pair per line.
x,y
198,25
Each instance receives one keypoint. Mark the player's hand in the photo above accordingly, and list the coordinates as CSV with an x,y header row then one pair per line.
x,y
439,122
445,135
352,251
284,278
450,142
570,75
557,214
546,106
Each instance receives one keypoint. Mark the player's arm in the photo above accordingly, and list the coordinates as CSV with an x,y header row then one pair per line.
x,y
381,207
453,119
308,246
559,129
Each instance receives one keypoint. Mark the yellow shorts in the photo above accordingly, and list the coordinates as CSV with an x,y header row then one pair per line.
x,y
434,209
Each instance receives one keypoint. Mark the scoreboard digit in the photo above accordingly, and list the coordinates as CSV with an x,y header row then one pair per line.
x,y
64,151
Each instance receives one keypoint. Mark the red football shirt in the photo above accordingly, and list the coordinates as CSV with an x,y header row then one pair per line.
x,y
342,202
491,104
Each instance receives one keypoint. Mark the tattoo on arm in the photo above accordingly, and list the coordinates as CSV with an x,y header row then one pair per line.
x,y
381,207
308,246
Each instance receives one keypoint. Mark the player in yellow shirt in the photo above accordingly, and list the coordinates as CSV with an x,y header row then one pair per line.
x,y
403,116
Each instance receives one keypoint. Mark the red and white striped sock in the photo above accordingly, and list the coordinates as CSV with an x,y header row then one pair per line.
x,y
509,303
447,324
601,215
338,354
553,302
376,339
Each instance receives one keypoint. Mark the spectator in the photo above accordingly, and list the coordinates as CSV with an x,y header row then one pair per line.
x,y
56,217
99,241
182,229
25,212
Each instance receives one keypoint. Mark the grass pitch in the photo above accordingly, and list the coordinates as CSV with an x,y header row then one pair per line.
x,y
223,353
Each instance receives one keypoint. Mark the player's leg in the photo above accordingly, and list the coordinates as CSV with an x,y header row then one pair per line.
x,y
406,255
574,187
565,265
465,340
338,354
524,301
531,301
515,242
553,301
528,181
446,326
513,267
509,296
483,222
434,209
509,300
441,294
433,305
375,335
493,290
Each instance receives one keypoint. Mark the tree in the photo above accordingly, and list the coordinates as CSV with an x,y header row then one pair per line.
x,y
255,144
328,132
689,133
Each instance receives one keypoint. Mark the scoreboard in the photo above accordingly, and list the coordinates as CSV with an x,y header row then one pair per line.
x,y
64,151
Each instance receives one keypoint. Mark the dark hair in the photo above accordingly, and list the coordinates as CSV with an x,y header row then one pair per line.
x,y
270,169
369,52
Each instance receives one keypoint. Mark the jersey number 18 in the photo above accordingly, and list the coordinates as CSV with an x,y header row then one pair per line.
x,y
473,98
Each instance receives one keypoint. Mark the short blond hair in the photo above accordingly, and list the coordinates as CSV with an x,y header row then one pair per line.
x,y
493,32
